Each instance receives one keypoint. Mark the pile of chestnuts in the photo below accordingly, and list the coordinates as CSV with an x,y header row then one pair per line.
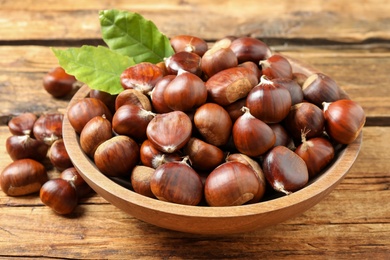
x,y
217,126
35,146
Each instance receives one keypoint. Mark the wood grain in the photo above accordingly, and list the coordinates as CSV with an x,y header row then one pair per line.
x,y
286,20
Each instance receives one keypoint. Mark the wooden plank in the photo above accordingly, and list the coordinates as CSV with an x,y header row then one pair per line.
x,y
286,19
350,222
363,74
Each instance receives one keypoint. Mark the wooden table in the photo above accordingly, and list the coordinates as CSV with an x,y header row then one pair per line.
x,y
349,41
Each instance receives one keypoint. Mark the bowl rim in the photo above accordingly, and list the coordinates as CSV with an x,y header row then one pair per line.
x,y
206,219
328,179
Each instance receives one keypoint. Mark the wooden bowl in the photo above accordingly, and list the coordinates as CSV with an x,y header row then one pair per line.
x,y
204,219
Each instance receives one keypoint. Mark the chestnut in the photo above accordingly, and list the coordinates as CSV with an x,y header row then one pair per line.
x,y
84,110
284,170
276,66
319,88
185,92
344,120
189,43
58,155
108,99
169,132
140,180
317,153
242,158
142,77
219,57
23,177
293,87
157,95
283,137
305,117
213,123
235,109
230,85
58,83
203,156
250,49
177,182
72,175
95,132
252,136
117,156
131,120
60,195
23,146
152,157
22,124
232,184
187,61
269,101
48,127
133,97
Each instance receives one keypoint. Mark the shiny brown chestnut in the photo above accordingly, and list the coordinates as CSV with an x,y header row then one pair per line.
x,y
189,43
169,132
276,66
252,67
72,175
269,101
142,77
117,156
203,156
293,87
232,184
23,177
84,110
185,92
250,49
235,109
319,88
284,170
187,61
157,95
132,97
305,117
131,120
242,158
213,123
22,124
60,195
23,146
58,83
317,153
48,127
108,99
152,157
344,120
177,182
283,137
230,85
219,57
95,132
252,136
58,155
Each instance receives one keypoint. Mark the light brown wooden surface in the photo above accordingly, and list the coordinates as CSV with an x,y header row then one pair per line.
x,y
347,40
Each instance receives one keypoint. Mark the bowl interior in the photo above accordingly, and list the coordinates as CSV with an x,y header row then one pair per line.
x,y
204,219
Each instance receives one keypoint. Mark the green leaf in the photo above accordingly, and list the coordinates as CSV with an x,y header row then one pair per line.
x,y
98,67
132,35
